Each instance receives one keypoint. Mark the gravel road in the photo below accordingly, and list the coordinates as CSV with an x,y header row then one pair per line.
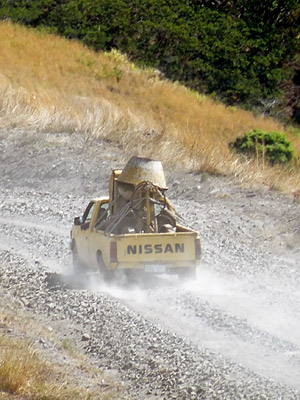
x,y
234,333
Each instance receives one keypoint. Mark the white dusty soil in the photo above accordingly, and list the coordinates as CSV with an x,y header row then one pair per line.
x,y
232,333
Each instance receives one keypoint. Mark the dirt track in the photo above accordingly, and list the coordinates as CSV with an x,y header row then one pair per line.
x,y
233,333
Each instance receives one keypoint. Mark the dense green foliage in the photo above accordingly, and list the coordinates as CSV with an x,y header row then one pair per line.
x,y
272,146
237,50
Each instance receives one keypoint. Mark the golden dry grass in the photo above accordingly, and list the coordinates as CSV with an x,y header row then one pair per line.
x,y
50,84
19,366
24,373
27,372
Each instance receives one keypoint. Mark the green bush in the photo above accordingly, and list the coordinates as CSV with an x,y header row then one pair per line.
x,y
270,146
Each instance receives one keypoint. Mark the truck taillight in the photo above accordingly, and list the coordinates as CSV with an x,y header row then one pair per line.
x,y
113,252
197,249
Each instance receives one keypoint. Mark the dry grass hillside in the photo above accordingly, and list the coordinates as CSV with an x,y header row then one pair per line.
x,y
51,84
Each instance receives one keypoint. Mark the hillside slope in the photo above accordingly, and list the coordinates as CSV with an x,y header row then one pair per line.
x,y
240,51
51,84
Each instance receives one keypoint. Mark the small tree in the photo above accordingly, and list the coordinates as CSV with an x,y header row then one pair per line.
x,y
273,146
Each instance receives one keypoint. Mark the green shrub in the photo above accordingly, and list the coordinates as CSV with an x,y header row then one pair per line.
x,y
270,146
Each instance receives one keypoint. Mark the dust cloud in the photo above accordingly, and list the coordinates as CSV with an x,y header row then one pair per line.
x,y
245,320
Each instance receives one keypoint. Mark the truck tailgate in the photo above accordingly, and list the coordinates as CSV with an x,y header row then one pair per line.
x,y
156,247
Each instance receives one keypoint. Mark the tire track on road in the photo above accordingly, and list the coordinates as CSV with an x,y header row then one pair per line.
x,y
36,242
24,223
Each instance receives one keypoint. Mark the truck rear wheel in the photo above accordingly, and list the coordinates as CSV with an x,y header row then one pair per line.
x,y
78,267
107,275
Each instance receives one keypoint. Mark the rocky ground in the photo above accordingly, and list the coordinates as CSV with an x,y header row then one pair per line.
x,y
232,333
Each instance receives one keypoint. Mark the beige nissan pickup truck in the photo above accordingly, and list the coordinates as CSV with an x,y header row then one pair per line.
x,y
135,228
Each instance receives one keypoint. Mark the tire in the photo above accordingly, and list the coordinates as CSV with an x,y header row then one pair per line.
x,y
78,267
105,273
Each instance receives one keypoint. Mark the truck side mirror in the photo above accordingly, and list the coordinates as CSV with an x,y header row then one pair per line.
x,y
78,221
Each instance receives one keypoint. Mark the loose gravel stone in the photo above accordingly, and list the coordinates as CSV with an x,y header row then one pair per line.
x,y
164,339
